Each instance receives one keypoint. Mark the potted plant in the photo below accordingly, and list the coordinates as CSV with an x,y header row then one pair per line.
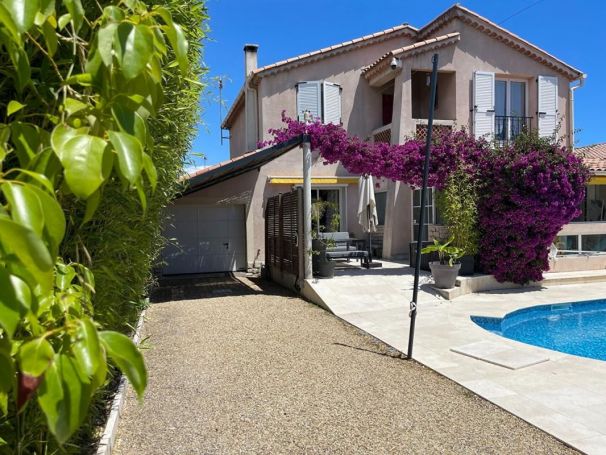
x,y
322,265
457,206
446,269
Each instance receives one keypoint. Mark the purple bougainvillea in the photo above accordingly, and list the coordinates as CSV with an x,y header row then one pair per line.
x,y
529,190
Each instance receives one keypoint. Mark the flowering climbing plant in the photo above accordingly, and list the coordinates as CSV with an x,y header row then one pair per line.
x,y
529,190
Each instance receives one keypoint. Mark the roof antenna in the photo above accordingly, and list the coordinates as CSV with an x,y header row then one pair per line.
x,y
221,111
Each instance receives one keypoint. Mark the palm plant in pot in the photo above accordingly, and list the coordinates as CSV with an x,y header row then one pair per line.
x,y
446,269
321,265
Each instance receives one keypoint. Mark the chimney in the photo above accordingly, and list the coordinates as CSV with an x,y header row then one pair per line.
x,y
250,59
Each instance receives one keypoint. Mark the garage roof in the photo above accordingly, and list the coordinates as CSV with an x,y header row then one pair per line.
x,y
225,170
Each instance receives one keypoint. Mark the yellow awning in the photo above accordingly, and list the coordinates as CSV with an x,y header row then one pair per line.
x,y
597,180
314,180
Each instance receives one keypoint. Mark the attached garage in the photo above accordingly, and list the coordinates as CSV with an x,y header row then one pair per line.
x,y
205,239
217,224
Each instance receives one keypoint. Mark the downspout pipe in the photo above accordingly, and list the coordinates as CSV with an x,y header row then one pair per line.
x,y
572,88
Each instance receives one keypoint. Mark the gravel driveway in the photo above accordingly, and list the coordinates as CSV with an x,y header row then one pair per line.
x,y
234,368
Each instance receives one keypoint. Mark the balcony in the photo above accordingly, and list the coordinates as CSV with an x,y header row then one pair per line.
x,y
507,127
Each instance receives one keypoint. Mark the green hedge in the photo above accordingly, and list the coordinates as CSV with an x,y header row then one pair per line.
x,y
122,243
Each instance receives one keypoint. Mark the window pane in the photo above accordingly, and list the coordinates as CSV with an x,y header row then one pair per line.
x,y
595,203
567,242
331,218
381,199
500,98
595,242
517,101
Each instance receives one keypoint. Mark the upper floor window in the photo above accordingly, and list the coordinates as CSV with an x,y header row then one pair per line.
x,y
319,99
501,110
510,109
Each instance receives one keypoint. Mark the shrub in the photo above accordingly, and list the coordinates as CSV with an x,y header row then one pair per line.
x,y
525,193
80,86
457,204
528,192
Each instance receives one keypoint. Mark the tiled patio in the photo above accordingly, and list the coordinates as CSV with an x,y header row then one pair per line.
x,y
564,395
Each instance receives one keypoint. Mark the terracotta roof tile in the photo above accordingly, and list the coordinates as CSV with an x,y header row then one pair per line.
x,y
594,156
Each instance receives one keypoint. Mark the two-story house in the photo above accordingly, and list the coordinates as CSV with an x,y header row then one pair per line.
x,y
490,81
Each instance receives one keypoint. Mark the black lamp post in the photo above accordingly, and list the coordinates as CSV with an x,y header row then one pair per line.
x,y
415,289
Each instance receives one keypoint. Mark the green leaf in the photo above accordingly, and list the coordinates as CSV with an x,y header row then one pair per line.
x,y
179,43
7,377
92,204
23,12
74,7
64,20
130,121
50,37
133,47
83,79
60,135
54,218
64,397
73,106
87,349
150,170
27,140
21,64
25,206
82,158
51,400
35,356
130,155
105,42
113,13
13,106
8,22
30,250
127,358
38,177
12,308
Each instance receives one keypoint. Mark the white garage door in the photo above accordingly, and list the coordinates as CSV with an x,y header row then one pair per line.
x,y
205,239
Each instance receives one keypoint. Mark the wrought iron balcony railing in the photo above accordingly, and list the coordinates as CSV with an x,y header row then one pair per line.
x,y
508,127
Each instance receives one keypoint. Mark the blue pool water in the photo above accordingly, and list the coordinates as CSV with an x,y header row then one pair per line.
x,y
577,328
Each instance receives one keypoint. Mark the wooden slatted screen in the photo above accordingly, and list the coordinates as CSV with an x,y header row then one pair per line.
x,y
282,216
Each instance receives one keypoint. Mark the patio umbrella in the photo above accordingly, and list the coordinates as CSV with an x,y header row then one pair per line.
x,y
367,209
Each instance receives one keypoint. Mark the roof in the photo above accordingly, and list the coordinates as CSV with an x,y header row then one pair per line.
x,y
347,45
423,35
220,172
594,156
410,51
501,34
283,65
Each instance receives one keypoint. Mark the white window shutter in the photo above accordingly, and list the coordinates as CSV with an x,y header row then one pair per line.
x,y
547,116
309,98
483,101
331,102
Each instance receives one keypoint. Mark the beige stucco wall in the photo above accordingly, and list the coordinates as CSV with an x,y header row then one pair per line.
x,y
477,51
237,135
252,190
360,103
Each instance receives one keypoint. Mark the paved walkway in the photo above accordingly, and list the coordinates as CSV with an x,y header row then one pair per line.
x,y
565,395
239,369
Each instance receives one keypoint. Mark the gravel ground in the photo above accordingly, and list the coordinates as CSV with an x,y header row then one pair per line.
x,y
236,370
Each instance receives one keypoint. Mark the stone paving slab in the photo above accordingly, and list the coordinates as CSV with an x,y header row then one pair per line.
x,y
499,354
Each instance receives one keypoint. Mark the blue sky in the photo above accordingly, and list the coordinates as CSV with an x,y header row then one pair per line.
x,y
572,31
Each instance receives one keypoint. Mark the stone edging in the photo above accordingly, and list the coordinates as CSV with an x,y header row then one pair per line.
x,y
108,438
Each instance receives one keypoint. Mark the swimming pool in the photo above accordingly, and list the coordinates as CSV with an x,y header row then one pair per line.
x,y
577,328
